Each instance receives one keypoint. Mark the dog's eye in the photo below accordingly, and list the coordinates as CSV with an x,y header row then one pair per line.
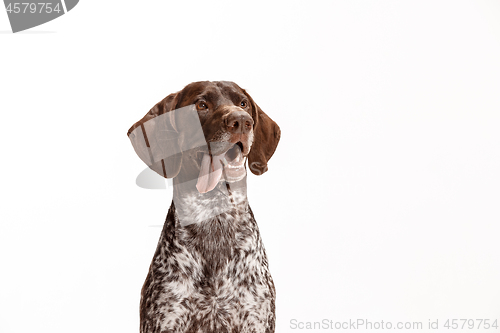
x,y
201,106
243,104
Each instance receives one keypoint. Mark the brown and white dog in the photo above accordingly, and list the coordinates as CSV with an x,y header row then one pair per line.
x,y
210,271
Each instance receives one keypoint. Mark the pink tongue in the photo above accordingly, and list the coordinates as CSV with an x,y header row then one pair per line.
x,y
210,173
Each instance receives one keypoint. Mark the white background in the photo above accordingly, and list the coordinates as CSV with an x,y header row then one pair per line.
x,y
381,202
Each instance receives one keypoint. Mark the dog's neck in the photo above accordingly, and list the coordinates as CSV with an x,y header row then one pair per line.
x,y
208,225
194,207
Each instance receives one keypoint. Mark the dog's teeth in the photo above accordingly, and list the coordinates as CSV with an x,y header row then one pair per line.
x,y
234,166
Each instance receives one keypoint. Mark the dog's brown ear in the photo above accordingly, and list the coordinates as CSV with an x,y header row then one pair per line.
x,y
266,137
156,140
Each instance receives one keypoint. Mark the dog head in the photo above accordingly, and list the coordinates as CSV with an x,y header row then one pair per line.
x,y
205,132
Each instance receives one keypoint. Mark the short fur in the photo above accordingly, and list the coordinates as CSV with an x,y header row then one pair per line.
x,y
211,275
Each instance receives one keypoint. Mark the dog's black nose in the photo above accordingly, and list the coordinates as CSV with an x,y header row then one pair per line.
x,y
239,122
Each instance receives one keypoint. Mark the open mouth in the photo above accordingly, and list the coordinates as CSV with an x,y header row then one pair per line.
x,y
231,164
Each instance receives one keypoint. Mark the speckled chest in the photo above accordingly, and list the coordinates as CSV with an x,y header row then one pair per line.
x,y
211,276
